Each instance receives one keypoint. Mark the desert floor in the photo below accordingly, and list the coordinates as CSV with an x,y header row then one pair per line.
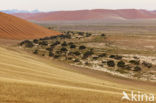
x,y
27,78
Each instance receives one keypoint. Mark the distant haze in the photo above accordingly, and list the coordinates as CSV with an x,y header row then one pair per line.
x,y
89,15
56,5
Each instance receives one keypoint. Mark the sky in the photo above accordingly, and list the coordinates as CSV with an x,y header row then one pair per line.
x,y
56,5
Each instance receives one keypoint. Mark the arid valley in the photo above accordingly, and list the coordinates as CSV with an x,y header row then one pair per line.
x,y
47,59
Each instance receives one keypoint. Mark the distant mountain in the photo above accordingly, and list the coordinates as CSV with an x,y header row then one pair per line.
x,y
92,15
19,11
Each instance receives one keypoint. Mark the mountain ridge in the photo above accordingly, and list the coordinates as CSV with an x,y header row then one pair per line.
x,y
95,14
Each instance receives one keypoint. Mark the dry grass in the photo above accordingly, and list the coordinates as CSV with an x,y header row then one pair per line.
x,y
25,78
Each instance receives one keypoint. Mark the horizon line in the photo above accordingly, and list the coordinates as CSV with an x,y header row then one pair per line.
x,y
73,9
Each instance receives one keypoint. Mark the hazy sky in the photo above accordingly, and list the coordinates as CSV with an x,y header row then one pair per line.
x,y
52,5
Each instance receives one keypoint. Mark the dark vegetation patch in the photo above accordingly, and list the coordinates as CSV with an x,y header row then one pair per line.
x,y
110,63
70,46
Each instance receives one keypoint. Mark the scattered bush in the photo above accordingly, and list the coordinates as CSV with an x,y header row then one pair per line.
x,y
53,37
76,60
87,63
63,49
51,54
95,58
135,62
135,57
116,57
137,69
54,44
72,46
56,56
70,53
103,35
69,58
49,27
68,36
146,64
87,54
127,67
104,61
70,43
81,33
58,52
64,44
103,55
77,53
110,63
82,47
49,49
121,64
35,52
27,44
44,43
88,34
112,56
35,41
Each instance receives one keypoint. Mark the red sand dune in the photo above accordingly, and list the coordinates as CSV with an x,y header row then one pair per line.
x,y
98,14
15,28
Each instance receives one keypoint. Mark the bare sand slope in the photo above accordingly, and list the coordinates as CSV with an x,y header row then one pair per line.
x,y
26,78
15,28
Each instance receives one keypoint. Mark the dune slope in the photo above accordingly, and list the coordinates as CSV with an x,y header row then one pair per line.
x,y
15,28
26,78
